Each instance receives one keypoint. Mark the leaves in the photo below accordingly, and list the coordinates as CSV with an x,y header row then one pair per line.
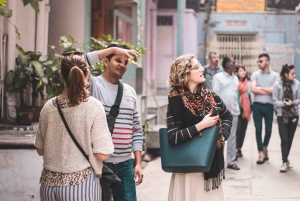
x,y
34,4
8,79
5,12
38,69
3,3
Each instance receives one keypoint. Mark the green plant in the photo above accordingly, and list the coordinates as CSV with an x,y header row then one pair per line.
x,y
6,12
29,71
52,64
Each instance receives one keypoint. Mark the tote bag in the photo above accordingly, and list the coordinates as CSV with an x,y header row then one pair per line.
x,y
194,155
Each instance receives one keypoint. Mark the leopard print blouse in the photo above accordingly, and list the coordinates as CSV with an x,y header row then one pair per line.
x,y
50,178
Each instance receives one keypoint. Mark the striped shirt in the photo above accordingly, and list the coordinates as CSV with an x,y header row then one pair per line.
x,y
127,133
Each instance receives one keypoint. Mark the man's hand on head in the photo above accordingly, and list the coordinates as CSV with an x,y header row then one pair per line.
x,y
125,52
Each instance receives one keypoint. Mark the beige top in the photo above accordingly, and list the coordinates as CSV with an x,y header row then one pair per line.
x,y
87,121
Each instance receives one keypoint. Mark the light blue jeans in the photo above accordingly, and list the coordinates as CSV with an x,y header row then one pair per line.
x,y
231,141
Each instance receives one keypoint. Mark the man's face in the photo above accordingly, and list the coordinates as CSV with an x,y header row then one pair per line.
x,y
116,66
263,62
231,64
214,59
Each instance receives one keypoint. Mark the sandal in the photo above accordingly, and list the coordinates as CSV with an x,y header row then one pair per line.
x,y
233,167
261,159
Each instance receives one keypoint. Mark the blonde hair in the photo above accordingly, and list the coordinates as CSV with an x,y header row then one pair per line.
x,y
180,71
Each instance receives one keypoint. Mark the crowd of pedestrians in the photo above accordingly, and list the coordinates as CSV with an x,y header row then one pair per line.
x,y
76,141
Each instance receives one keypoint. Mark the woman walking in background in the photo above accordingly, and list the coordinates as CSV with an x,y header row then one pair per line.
x,y
67,174
189,108
244,100
286,98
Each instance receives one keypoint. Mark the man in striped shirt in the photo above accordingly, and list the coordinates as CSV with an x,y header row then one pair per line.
x,y
127,132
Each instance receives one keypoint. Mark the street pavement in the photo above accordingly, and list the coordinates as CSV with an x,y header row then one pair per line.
x,y
252,183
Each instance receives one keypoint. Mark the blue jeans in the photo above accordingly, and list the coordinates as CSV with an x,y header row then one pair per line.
x,y
125,191
261,111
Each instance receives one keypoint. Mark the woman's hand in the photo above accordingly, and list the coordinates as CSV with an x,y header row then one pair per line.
x,y
207,121
287,103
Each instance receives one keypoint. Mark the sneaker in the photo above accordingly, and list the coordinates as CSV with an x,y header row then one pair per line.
x,y
289,164
284,167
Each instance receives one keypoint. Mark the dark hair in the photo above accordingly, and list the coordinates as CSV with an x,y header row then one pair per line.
x,y
116,45
285,69
73,70
236,70
226,59
264,55
211,53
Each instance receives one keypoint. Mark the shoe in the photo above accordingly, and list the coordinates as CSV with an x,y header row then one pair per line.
x,y
261,159
289,164
239,153
265,151
233,167
284,167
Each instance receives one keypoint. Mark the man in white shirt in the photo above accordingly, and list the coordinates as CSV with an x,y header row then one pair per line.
x,y
225,84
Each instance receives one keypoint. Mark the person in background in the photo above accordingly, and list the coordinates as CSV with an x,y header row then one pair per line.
x,y
67,175
286,98
244,101
127,133
211,69
189,109
225,84
262,82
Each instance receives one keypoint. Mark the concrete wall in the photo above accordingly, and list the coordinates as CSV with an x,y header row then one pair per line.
x,y
20,172
276,28
67,17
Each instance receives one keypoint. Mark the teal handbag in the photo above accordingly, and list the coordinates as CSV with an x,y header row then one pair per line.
x,y
194,155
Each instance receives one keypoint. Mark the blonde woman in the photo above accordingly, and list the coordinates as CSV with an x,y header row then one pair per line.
x,y
189,108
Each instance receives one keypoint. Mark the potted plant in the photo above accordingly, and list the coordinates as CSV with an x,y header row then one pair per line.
x,y
29,72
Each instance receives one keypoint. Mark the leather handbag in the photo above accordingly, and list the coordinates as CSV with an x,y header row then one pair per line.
x,y
194,155
108,177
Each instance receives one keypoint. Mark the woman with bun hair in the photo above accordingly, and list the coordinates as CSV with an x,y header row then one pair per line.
x,y
286,98
67,175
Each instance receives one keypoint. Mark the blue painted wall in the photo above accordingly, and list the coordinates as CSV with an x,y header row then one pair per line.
x,y
277,29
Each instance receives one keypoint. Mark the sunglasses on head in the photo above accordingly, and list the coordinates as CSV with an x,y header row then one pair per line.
x,y
67,54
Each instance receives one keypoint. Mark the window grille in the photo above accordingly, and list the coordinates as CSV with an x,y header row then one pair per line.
x,y
244,48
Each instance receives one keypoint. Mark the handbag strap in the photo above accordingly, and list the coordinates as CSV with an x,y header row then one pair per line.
x,y
69,131
114,111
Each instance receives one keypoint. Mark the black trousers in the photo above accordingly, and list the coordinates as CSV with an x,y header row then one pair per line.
x,y
287,132
241,131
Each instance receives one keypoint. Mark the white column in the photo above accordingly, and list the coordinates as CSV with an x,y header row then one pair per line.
x,y
11,50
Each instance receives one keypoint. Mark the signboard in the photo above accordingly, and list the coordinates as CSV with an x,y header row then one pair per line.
x,y
280,54
240,5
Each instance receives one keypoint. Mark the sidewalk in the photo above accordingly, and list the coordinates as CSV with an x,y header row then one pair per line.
x,y
252,183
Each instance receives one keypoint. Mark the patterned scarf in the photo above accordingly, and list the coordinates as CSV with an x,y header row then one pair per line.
x,y
200,104
245,103
288,111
